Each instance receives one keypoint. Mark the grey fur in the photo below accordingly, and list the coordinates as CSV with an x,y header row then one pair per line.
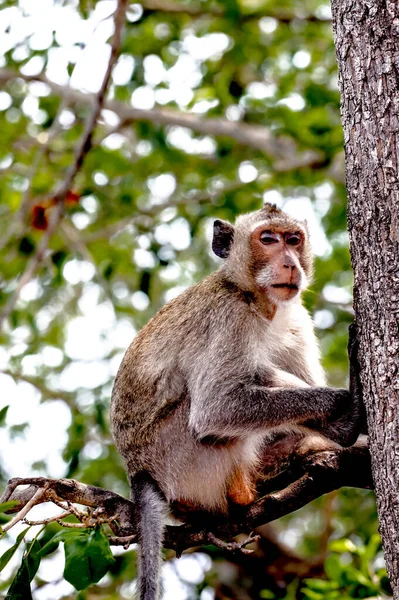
x,y
150,507
218,371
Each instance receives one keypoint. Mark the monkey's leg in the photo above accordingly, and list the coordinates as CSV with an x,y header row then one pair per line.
x,y
150,527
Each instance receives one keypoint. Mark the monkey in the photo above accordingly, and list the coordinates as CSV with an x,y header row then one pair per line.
x,y
217,372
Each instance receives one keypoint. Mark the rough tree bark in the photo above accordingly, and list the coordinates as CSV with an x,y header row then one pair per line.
x,y
367,45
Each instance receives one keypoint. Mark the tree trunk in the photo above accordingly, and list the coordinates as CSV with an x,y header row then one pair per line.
x,y
367,44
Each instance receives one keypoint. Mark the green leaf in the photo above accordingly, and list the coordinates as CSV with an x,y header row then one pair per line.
x,y
87,558
58,258
267,594
342,546
333,568
60,536
321,585
5,506
32,557
50,546
8,554
359,577
3,415
20,587
26,246
373,546
311,595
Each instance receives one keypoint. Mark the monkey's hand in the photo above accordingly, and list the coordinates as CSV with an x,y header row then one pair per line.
x,y
355,384
345,430
349,419
343,426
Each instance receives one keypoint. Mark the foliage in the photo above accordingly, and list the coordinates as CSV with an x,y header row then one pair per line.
x,y
136,232
87,555
87,559
352,572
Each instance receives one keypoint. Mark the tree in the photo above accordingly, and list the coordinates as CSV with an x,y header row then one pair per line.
x,y
97,219
367,48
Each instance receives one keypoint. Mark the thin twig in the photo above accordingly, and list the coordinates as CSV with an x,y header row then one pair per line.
x,y
33,265
72,525
56,518
233,546
86,139
36,499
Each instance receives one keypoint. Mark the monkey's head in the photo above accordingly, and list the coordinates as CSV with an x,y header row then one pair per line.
x,y
266,251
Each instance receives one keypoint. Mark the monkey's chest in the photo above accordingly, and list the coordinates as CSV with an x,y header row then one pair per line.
x,y
273,350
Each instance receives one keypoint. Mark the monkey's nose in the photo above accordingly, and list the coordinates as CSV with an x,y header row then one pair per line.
x,y
288,262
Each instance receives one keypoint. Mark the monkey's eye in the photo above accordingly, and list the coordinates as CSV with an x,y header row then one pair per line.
x,y
293,239
269,237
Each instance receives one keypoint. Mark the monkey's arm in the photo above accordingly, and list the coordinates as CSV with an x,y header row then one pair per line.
x,y
244,407
334,426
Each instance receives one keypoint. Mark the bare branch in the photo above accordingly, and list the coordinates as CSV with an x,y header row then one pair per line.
x,y
283,149
233,546
36,382
72,525
56,519
86,139
304,479
37,498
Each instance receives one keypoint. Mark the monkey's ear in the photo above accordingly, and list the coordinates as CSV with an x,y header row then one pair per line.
x,y
223,237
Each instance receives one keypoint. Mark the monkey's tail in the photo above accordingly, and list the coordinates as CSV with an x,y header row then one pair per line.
x,y
150,506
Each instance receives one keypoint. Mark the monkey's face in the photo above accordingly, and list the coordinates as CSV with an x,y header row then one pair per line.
x,y
266,251
276,261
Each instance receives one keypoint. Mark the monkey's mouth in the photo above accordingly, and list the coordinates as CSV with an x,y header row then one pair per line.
x,y
287,286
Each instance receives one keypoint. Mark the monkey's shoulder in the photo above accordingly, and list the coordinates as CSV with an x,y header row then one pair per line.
x,y
155,369
211,300
213,312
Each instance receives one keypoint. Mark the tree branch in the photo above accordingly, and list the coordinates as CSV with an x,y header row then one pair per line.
x,y
283,149
37,382
303,478
87,136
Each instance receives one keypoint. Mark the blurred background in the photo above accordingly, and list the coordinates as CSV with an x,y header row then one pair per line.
x,y
214,107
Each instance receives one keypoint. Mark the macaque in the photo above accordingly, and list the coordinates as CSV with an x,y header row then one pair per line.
x,y
219,371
